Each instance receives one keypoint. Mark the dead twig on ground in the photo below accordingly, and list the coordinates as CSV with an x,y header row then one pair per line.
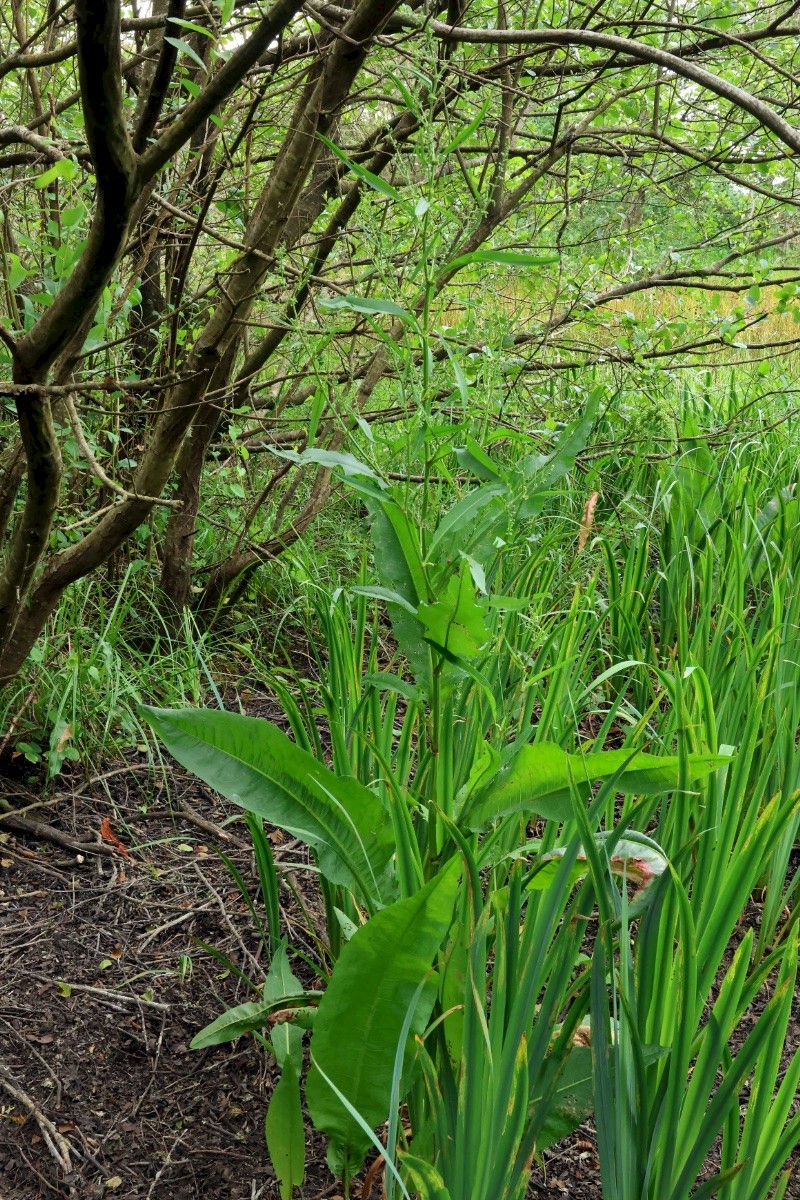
x,y
187,916
33,1051
209,827
143,1096
167,1162
224,914
50,834
106,993
56,1143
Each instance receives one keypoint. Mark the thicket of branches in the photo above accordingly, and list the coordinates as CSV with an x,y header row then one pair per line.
x,y
213,215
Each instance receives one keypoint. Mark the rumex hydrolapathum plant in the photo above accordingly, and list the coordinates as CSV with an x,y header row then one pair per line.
x,y
422,824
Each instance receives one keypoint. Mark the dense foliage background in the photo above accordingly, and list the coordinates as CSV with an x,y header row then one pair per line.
x,y
434,372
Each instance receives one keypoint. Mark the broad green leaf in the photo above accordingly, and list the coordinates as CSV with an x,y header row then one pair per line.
x,y
466,521
397,551
474,458
16,272
363,1010
539,779
398,564
244,1018
572,1099
385,682
330,459
286,1039
348,927
284,1132
456,622
65,169
256,765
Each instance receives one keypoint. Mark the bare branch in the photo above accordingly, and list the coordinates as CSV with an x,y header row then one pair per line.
x,y
638,51
220,87
115,170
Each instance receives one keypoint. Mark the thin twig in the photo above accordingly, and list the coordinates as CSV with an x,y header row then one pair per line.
x,y
187,916
227,920
51,834
113,997
56,1143
151,1080
209,826
15,720
98,471
32,1050
167,1162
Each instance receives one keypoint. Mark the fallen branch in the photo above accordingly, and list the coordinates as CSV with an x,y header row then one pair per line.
x,y
108,994
209,827
56,1143
50,834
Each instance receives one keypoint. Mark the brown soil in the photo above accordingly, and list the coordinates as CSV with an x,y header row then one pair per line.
x,y
142,1116
146,1118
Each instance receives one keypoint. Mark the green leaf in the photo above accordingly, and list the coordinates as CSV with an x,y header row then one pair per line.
x,y
373,181
475,459
397,551
243,1018
362,1012
426,1180
571,1101
387,594
398,563
502,258
280,985
351,465
65,169
284,1132
538,474
638,861
456,622
461,526
254,764
539,779
16,272
192,26
484,767
386,682
370,305
467,131
183,47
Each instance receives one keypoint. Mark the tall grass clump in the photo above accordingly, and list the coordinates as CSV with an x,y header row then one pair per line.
x,y
509,733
